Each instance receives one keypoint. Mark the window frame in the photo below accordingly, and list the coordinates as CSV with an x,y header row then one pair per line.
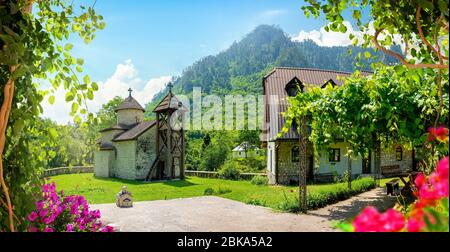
x,y
332,155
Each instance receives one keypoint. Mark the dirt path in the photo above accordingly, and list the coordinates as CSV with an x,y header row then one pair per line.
x,y
217,214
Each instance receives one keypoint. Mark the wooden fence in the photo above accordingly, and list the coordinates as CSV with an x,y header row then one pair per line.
x,y
68,170
211,174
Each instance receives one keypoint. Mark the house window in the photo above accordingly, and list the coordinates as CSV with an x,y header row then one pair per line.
x,y
335,155
293,87
295,154
398,153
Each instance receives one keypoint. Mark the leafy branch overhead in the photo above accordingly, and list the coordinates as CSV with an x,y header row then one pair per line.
x,y
34,50
421,25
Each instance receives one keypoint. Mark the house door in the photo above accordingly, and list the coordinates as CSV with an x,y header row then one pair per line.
x,y
366,162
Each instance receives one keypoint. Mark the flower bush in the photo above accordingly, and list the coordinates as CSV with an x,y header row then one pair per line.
x,y
58,213
428,213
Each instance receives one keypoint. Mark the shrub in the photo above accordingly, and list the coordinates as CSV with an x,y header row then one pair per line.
x,y
339,192
256,202
229,171
222,190
328,195
219,191
251,164
57,213
259,180
290,203
208,191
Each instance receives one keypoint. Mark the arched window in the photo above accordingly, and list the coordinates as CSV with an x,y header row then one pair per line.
x,y
295,154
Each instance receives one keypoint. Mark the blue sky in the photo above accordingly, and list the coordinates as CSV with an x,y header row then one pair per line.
x,y
162,37
146,42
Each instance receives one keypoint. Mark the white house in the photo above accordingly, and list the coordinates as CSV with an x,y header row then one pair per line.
x,y
283,151
246,150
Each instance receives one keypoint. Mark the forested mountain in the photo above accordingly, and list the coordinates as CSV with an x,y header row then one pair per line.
x,y
240,68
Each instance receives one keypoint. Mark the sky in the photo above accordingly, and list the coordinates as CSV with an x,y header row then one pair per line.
x,y
146,43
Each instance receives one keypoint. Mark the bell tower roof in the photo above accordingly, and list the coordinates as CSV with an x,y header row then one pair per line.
x,y
130,103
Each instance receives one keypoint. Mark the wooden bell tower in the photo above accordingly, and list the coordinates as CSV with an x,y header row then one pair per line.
x,y
170,140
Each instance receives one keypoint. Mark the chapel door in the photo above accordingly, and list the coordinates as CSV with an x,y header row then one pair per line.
x,y
162,166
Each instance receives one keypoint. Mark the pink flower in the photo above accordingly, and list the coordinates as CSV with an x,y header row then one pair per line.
x,y
48,229
32,216
43,213
420,180
367,220
107,229
69,228
370,220
415,225
392,220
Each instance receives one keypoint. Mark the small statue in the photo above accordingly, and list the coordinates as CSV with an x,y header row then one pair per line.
x,y
123,198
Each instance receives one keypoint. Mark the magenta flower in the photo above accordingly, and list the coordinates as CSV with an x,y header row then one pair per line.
x,y
48,229
69,227
32,216
64,213
370,220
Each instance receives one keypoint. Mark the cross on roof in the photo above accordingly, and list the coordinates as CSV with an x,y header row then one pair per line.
x,y
170,86
130,90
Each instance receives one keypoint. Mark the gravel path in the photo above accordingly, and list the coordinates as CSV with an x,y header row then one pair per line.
x,y
215,214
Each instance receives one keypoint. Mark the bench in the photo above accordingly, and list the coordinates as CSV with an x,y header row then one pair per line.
x,y
390,170
392,186
324,177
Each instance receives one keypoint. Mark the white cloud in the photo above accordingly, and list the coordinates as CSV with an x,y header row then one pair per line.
x,y
324,38
329,39
125,76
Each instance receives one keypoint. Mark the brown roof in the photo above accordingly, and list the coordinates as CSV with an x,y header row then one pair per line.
x,y
129,103
135,132
165,104
275,82
118,127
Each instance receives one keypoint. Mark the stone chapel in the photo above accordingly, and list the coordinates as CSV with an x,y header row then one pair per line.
x,y
137,149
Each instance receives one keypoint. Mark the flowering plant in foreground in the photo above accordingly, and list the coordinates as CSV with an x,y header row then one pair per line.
x,y
428,213
57,213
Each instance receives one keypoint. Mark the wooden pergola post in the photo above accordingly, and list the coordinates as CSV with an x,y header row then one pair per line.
x,y
303,164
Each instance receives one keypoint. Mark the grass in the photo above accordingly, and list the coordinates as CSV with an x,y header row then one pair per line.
x,y
103,190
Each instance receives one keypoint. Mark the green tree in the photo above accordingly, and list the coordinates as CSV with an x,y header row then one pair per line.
x,y
107,115
34,49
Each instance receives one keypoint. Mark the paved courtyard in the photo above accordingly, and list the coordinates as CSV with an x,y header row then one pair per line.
x,y
215,214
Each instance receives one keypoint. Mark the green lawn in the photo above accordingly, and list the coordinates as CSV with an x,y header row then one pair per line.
x,y
103,190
